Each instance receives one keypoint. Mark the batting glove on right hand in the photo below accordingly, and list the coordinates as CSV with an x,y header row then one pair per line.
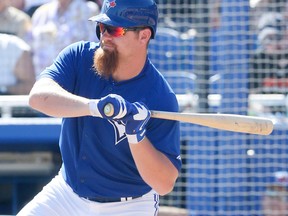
x,y
135,122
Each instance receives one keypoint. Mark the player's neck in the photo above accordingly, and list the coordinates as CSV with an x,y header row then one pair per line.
x,y
129,67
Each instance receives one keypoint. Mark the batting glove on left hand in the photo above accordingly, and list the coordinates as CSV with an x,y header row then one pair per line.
x,y
120,107
135,122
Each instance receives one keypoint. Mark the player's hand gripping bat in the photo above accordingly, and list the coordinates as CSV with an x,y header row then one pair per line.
x,y
229,122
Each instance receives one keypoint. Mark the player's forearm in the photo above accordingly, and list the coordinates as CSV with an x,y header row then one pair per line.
x,y
48,97
155,168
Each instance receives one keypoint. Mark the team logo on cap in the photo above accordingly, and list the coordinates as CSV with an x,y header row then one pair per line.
x,y
111,3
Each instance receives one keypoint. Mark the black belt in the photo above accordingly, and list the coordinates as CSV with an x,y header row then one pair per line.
x,y
107,200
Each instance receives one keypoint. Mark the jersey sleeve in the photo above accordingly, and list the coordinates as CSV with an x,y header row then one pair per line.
x,y
165,134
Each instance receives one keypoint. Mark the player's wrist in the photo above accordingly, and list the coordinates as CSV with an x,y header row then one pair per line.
x,y
137,137
93,108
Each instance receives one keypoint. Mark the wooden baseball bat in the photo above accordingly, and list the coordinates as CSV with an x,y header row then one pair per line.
x,y
229,122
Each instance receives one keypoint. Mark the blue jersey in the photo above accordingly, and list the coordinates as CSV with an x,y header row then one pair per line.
x,y
97,161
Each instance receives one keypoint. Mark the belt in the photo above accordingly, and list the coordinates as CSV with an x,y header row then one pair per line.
x,y
107,199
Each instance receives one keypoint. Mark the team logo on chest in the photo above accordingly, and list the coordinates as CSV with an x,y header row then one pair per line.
x,y
119,131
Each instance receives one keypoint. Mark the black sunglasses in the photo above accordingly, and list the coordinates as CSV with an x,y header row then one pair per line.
x,y
117,31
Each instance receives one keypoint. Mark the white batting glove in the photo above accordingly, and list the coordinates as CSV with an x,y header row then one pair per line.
x,y
93,107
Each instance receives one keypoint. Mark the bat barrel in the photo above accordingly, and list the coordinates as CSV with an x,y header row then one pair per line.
x,y
229,122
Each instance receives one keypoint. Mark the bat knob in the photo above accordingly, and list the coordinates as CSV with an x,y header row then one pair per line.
x,y
108,110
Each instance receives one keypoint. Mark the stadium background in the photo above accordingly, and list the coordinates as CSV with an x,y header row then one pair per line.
x,y
203,49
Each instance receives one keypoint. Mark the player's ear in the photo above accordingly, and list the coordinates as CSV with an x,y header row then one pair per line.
x,y
145,35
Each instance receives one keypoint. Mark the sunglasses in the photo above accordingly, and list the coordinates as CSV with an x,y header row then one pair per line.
x,y
116,31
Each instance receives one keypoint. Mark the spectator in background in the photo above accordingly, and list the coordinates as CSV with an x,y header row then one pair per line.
x,y
265,6
19,4
98,2
29,6
14,21
170,10
269,64
32,5
286,21
17,71
275,200
58,24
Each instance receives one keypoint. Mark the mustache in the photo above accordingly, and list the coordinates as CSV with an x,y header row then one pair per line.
x,y
108,43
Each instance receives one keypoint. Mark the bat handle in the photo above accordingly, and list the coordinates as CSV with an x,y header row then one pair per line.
x,y
109,109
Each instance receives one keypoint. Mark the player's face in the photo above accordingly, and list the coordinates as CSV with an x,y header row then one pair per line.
x,y
111,36
115,43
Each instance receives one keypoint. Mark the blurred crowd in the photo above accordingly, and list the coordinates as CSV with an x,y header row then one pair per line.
x,y
275,198
33,32
269,63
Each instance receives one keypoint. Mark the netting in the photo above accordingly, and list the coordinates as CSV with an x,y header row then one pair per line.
x,y
208,50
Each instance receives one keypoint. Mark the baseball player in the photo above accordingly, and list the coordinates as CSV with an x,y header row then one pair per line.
x,y
114,165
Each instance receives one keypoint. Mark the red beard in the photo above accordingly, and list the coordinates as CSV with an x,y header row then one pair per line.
x,y
105,62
